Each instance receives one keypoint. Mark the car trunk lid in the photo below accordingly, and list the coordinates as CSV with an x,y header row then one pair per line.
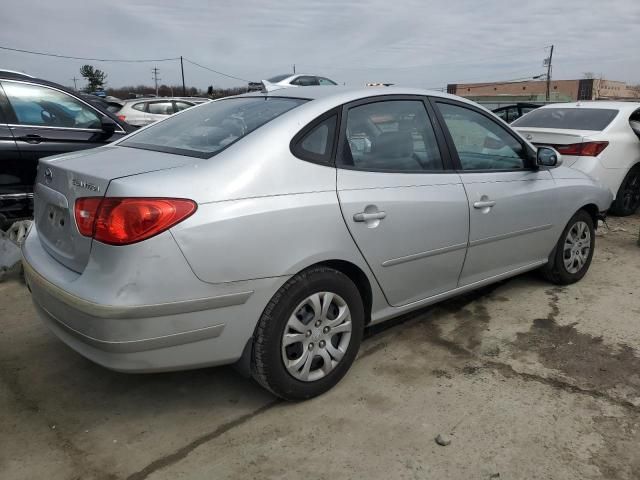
x,y
62,180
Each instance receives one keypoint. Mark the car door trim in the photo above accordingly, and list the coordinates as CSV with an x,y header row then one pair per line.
x,y
504,236
418,256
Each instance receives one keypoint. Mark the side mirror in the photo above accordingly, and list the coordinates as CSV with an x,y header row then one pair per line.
x,y
108,126
548,157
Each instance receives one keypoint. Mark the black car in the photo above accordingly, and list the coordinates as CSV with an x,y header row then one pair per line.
x,y
37,119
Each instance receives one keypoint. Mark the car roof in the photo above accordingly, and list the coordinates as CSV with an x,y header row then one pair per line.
x,y
343,94
156,99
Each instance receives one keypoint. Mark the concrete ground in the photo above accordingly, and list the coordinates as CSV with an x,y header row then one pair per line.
x,y
529,381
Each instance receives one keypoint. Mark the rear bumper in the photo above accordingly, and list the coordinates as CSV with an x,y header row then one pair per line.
x,y
146,337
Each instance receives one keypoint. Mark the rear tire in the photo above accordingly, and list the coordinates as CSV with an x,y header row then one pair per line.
x,y
572,255
308,335
628,198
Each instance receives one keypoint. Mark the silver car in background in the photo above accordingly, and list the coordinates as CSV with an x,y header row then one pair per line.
x,y
270,229
144,111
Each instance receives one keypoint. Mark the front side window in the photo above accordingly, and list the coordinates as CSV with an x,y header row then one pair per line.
x,y
393,135
161,108
305,81
204,131
182,106
42,106
326,81
481,143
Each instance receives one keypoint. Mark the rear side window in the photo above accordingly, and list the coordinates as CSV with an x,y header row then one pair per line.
x,y
161,108
579,118
204,131
316,143
392,136
305,81
139,106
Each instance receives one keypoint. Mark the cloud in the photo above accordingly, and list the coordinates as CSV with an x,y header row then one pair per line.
x,y
418,43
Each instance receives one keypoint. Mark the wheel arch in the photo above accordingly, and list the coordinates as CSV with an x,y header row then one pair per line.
x,y
593,210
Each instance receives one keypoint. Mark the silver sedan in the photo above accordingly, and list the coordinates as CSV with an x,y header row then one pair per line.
x,y
268,230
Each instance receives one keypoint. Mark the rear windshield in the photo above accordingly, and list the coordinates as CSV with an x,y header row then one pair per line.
x,y
204,131
278,78
568,118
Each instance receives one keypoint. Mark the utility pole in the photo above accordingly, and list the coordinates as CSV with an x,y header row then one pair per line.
x,y
155,77
549,74
184,89
294,68
75,83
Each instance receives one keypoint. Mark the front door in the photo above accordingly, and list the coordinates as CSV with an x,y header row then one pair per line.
x,y
510,200
406,210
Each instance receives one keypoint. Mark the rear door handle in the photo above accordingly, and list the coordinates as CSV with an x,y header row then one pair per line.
x,y
31,138
484,204
365,217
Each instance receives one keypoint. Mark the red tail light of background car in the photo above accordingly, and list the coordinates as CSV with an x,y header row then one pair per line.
x,y
122,221
587,149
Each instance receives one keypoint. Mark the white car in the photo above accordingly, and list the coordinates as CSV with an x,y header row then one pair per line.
x,y
144,111
600,138
297,80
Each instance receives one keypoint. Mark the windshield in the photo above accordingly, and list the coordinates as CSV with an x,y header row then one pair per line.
x,y
568,118
204,131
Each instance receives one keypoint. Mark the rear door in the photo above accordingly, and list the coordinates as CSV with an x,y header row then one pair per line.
x,y
405,208
511,201
46,121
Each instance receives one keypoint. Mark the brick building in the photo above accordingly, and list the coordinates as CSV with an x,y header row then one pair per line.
x,y
535,91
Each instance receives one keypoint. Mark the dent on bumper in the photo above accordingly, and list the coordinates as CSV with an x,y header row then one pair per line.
x,y
41,287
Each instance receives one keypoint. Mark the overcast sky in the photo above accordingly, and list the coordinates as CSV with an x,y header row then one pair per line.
x,y
424,43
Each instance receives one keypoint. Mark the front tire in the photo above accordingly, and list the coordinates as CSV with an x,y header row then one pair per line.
x,y
308,335
572,255
628,198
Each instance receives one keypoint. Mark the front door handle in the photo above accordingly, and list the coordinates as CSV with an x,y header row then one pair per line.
x,y
365,217
484,204
32,138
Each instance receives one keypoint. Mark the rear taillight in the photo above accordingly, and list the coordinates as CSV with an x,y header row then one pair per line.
x,y
121,221
587,149
122,117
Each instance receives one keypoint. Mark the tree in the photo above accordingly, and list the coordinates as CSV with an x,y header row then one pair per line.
x,y
96,78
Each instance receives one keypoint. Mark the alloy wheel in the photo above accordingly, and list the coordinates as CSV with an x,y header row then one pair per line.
x,y
631,192
577,246
316,336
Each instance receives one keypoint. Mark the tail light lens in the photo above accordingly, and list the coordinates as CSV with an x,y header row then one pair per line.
x,y
122,221
122,117
587,149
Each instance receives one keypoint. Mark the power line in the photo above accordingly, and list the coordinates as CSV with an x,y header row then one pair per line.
x,y
120,60
216,71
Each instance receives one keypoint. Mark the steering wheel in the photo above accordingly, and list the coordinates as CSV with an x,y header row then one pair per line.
x,y
49,118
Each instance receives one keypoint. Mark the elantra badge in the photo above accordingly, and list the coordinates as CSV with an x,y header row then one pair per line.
x,y
83,184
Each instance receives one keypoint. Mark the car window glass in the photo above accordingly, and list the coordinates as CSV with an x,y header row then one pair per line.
x,y
316,144
161,108
305,81
481,143
139,106
42,106
572,118
204,131
325,81
182,106
391,136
